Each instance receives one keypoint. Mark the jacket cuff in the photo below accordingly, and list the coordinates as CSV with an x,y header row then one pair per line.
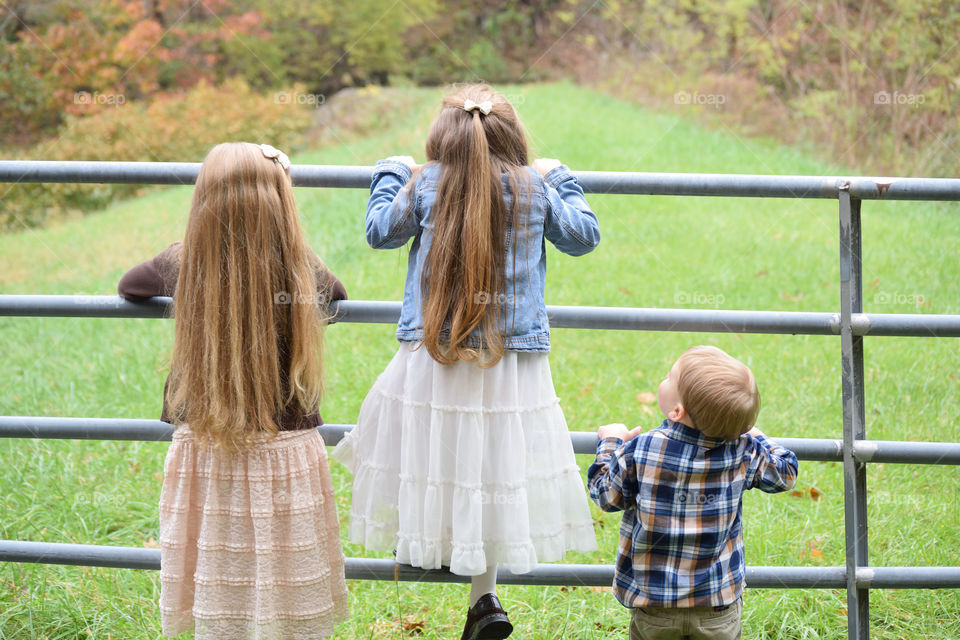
x,y
394,167
558,175
608,445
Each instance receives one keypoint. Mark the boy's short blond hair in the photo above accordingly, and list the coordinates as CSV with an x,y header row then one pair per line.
x,y
718,392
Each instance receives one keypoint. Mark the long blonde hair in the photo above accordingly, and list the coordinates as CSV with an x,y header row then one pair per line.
x,y
247,320
463,275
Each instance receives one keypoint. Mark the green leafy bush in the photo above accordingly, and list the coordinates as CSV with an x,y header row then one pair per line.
x,y
180,128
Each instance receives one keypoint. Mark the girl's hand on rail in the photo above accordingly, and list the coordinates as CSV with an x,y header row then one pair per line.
x,y
545,165
407,160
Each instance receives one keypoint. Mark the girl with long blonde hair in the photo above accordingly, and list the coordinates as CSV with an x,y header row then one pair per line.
x,y
461,455
249,535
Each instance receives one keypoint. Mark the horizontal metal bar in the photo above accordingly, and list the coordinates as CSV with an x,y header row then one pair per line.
x,y
906,325
175,173
688,184
768,186
814,449
83,306
906,452
82,555
796,577
56,428
584,575
561,317
545,574
621,318
908,577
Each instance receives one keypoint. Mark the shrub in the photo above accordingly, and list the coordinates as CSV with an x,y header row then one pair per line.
x,y
180,128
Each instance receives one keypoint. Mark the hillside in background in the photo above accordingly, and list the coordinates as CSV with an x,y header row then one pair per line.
x,y
871,86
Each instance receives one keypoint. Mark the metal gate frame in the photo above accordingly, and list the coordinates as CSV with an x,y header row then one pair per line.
x,y
851,324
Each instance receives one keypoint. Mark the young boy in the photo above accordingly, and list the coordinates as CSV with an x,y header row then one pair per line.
x,y
680,563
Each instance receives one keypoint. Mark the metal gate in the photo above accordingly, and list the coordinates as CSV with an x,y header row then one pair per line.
x,y
853,450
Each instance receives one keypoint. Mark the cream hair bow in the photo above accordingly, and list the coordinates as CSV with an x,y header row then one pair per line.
x,y
484,107
276,155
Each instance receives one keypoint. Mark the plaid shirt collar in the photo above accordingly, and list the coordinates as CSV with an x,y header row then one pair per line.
x,y
689,435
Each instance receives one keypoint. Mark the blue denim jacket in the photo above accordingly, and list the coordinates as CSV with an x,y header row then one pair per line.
x,y
558,212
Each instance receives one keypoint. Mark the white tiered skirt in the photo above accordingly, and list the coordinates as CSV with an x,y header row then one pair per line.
x,y
250,543
465,467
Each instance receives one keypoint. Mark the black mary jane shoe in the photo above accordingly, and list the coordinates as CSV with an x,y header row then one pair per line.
x,y
486,620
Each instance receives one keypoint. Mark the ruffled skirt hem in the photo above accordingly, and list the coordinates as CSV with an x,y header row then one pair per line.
x,y
462,467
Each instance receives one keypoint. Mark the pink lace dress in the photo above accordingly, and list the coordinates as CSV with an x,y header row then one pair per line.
x,y
250,543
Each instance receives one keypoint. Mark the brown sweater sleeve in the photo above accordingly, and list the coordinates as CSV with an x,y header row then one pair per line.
x,y
328,285
337,290
155,277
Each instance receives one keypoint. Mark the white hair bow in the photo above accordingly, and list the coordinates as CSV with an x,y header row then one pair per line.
x,y
276,155
484,107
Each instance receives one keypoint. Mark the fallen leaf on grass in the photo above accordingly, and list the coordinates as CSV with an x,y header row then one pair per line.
x,y
413,627
646,397
388,628
816,553
791,298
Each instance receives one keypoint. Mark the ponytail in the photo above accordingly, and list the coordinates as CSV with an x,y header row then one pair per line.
x,y
463,274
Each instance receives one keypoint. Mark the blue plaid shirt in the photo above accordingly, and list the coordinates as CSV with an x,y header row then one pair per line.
x,y
681,541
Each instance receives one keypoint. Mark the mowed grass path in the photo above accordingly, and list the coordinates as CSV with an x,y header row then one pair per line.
x,y
655,252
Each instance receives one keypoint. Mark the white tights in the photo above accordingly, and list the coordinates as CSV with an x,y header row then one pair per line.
x,y
483,584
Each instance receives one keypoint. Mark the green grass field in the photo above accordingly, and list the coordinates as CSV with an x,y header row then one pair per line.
x,y
656,252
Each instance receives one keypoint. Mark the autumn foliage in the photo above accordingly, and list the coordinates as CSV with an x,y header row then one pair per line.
x,y
871,86
172,128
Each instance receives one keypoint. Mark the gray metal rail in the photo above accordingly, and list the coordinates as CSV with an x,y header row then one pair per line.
x,y
561,317
670,184
545,574
812,449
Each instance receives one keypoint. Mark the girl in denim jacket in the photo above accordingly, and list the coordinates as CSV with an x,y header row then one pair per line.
x,y
461,455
